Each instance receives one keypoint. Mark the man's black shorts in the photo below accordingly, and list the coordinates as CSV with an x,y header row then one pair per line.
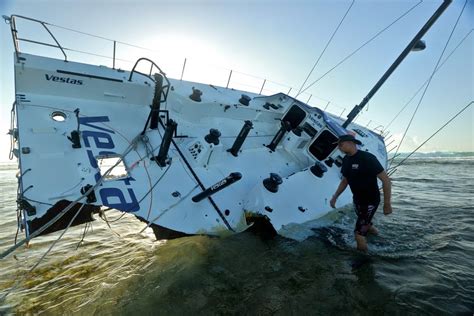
x,y
364,212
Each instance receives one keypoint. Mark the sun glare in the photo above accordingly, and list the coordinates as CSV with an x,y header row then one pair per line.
x,y
203,61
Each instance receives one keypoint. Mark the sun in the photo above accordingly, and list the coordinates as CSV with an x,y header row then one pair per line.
x,y
179,55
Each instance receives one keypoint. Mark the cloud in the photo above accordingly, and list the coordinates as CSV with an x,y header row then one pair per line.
x,y
410,143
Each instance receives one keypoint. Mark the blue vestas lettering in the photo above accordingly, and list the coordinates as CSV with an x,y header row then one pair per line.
x,y
92,159
96,119
112,197
102,140
127,180
63,79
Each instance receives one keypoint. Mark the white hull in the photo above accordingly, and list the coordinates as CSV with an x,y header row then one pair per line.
x,y
112,114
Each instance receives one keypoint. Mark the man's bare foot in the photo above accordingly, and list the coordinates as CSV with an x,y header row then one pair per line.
x,y
372,230
361,242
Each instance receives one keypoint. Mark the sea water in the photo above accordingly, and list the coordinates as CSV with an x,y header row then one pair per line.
x,y
422,262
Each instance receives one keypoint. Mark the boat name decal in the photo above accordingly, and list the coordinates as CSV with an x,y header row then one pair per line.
x,y
100,138
219,184
63,79
316,122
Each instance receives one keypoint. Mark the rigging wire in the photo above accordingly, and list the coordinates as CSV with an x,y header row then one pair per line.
x,y
17,283
156,51
421,87
162,212
97,55
66,209
101,37
429,82
360,47
393,169
132,143
104,218
130,45
131,146
152,187
86,229
60,236
324,50
58,216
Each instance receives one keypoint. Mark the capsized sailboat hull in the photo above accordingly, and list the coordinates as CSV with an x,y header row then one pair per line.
x,y
75,121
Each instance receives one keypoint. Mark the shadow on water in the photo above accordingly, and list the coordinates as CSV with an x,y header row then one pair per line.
x,y
245,275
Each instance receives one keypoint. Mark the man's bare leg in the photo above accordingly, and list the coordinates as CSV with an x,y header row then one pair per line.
x,y
361,242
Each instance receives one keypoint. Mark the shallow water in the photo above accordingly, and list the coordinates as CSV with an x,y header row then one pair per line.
x,y
421,264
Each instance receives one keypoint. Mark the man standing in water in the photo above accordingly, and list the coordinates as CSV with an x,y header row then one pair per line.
x,y
360,171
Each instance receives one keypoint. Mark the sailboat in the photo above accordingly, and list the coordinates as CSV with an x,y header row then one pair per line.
x,y
184,157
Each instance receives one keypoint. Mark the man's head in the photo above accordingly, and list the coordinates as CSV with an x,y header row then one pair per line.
x,y
347,144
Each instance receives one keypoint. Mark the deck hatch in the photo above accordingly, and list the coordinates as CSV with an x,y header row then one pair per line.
x,y
107,162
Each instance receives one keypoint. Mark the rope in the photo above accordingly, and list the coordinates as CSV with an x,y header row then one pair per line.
x,y
83,235
74,187
104,218
392,169
65,210
163,212
360,47
152,187
86,226
324,50
132,146
57,217
18,224
60,236
421,87
44,254
149,149
150,153
429,81
12,131
118,133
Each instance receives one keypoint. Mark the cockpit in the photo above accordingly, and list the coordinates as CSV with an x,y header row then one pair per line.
x,y
313,130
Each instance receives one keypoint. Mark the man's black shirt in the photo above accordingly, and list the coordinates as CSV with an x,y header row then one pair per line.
x,y
361,172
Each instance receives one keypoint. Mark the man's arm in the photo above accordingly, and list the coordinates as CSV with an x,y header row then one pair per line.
x,y
342,186
387,192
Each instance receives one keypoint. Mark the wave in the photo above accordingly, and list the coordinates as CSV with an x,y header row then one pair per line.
x,y
8,166
437,155
435,158
435,161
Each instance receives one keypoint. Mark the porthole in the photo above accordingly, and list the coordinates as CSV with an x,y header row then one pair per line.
x,y
58,116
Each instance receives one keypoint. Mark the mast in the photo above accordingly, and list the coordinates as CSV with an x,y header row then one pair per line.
x,y
398,61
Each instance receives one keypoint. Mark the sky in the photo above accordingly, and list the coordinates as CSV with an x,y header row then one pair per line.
x,y
276,42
